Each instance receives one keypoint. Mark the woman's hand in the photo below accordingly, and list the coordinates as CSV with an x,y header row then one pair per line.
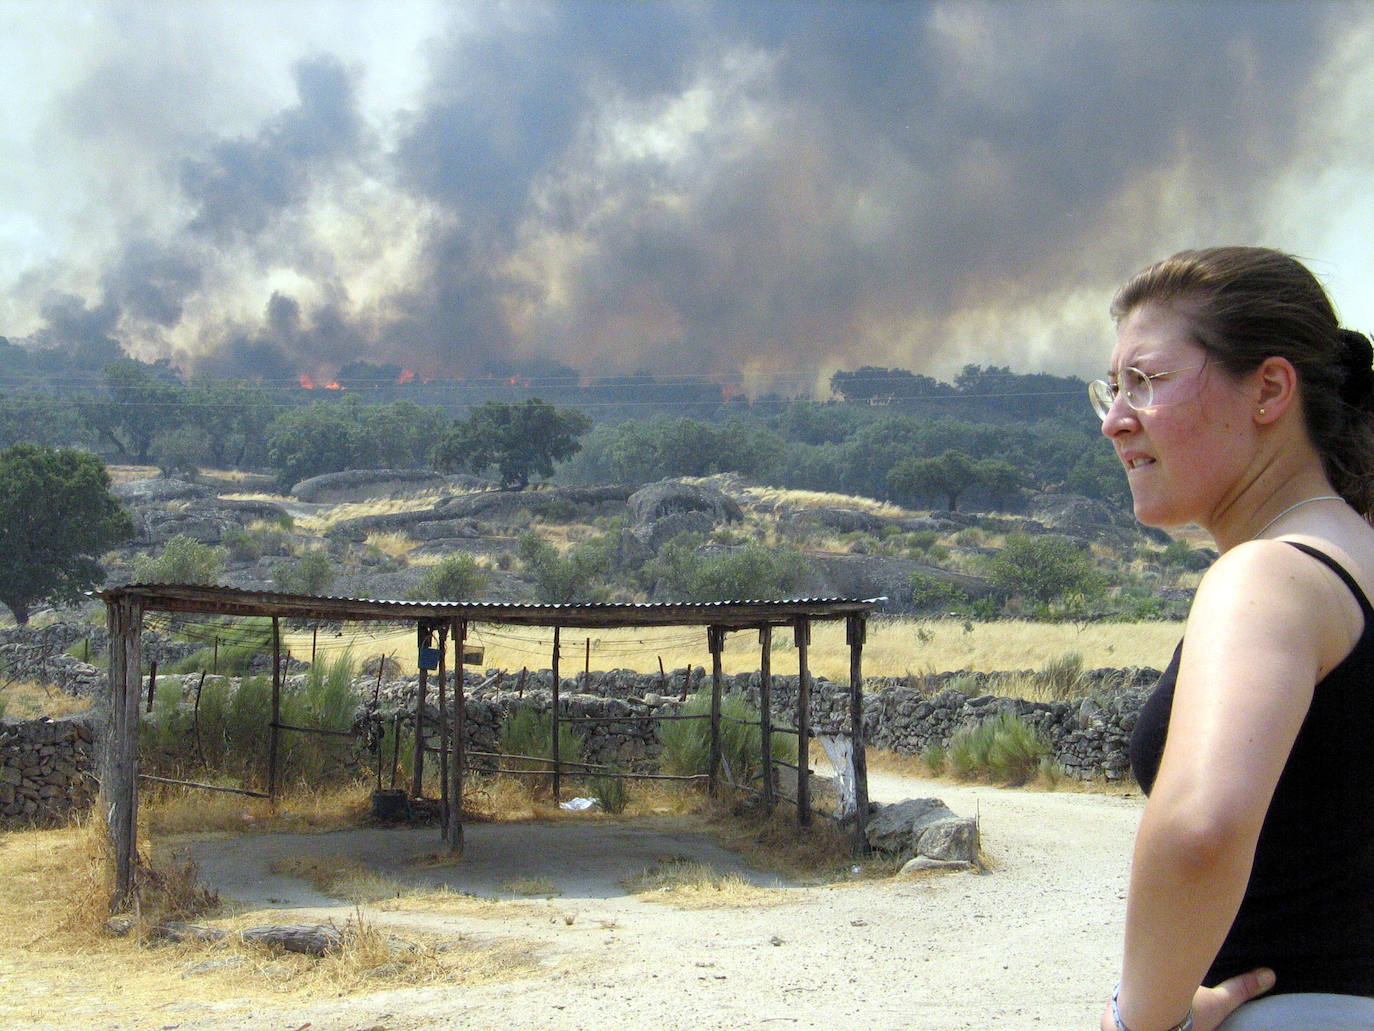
x,y
1211,1006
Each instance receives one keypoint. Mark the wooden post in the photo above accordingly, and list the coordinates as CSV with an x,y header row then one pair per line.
x,y
273,736
715,641
856,632
587,669
802,633
152,684
119,782
417,780
766,713
553,722
445,800
455,811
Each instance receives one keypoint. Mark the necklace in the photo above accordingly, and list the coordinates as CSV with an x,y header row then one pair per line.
x,y
1290,508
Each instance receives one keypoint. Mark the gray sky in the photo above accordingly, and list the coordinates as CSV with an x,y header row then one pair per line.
x,y
761,192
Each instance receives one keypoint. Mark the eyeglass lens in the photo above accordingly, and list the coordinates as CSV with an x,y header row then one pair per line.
x,y
1130,381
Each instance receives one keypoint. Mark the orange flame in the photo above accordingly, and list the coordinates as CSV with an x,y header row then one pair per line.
x,y
307,382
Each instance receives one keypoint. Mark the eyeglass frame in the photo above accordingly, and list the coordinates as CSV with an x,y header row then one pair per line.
x,y
1102,393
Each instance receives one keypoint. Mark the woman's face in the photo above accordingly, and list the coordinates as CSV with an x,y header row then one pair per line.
x,y
1184,453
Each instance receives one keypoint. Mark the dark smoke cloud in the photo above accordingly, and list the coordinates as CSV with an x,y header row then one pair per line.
x,y
243,184
704,188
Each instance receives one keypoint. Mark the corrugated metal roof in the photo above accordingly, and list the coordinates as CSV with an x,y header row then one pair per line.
x,y
243,602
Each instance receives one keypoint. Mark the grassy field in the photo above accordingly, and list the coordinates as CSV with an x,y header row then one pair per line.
x,y
895,647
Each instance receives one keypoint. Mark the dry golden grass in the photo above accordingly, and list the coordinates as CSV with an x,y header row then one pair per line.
x,y
397,545
688,884
24,700
895,648
169,810
821,499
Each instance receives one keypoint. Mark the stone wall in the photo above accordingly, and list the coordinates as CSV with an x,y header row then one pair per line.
x,y
44,769
41,761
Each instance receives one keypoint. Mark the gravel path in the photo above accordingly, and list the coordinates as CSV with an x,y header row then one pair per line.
x,y
1032,943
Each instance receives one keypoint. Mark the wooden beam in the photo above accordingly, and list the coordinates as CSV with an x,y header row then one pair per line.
x,y
455,811
553,722
766,714
856,633
119,781
417,780
273,734
445,800
802,634
715,642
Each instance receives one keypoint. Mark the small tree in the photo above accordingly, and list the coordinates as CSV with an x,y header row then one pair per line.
x,y
519,440
455,578
56,516
312,573
1046,569
183,560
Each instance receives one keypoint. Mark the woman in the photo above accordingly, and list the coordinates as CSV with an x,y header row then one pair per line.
x,y
1236,402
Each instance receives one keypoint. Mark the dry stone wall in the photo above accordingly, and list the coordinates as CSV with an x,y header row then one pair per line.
x,y
46,766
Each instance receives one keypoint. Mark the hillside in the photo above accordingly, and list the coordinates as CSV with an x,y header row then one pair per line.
x,y
414,533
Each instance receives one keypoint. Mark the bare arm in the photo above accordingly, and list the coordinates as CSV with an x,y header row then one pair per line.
x,y
1266,625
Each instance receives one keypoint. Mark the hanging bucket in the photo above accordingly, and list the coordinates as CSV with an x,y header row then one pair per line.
x,y
429,658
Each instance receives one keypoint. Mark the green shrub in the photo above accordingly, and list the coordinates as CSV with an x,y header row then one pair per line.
x,y
935,759
931,594
529,733
612,792
682,571
1003,749
312,573
687,742
182,560
455,578
249,545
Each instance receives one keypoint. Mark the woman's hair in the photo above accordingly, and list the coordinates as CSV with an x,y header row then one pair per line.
x,y
1246,304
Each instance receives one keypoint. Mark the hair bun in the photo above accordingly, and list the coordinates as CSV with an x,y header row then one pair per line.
x,y
1357,359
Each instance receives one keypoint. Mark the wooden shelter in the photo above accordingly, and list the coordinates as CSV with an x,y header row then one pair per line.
x,y
127,605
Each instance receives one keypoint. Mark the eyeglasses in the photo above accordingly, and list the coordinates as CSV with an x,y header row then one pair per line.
x,y
1138,388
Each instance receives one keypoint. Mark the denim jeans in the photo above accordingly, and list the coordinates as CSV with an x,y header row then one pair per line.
x,y
1303,1011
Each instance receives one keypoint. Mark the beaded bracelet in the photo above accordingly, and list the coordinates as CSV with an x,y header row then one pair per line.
x,y
1186,1024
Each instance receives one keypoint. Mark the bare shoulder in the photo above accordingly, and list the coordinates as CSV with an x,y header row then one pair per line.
x,y
1277,589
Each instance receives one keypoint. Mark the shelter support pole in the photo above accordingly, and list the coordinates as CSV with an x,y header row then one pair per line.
x,y
856,633
715,641
766,714
445,799
455,794
119,780
802,633
553,723
423,636
274,735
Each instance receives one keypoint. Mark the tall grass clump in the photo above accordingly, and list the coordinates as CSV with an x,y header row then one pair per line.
x,y
687,742
527,737
1003,749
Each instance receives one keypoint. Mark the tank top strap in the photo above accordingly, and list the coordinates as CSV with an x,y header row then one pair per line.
x,y
1342,572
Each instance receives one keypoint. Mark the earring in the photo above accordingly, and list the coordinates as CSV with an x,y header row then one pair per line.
x,y
1261,411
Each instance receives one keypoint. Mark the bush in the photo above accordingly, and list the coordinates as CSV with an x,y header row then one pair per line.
x,y
181,561
1048,570
1003,749
529,733
312,573
613,793
455,578
687,742
562,579
683,571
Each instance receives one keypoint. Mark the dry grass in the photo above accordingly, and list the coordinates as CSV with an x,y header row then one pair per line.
x,y
895,648
688,884
166,810
25,700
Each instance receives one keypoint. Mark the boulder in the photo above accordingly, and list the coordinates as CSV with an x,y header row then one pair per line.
x,y
896,828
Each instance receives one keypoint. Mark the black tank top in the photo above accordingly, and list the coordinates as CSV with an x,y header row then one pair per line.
x,y
1308,910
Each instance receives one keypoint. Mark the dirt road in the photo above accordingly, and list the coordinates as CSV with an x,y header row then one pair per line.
x,y
1032,944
